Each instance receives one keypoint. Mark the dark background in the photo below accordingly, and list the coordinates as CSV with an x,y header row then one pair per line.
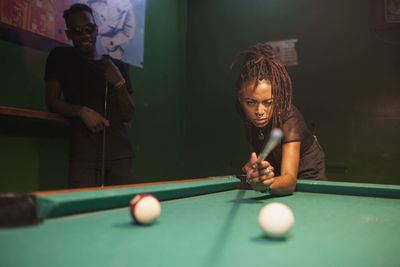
x,y
347,83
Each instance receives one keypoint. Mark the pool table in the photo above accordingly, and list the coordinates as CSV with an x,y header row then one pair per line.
x,y
209,222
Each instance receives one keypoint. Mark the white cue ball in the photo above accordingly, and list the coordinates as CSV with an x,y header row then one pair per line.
x,y
276,220
145,208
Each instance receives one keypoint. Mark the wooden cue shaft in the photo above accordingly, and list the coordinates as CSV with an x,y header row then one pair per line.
x,y
103,152
273,141
104,131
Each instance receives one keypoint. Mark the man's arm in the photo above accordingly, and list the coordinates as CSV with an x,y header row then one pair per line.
x,y
93,120
125,103
114,77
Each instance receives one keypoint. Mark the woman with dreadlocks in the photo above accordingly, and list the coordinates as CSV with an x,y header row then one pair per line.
x,y
264,102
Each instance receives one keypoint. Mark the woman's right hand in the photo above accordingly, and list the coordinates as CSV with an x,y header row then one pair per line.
x,y
259,175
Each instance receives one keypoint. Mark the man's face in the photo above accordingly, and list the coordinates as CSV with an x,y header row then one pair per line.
x,y
82,31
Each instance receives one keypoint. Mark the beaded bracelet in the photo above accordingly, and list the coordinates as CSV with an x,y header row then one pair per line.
x,y
120,83
267,190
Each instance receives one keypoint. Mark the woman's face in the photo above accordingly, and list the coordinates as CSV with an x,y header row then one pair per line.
x,y
257,102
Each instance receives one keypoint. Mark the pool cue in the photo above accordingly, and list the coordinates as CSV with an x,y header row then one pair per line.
x,y
103,147
275,137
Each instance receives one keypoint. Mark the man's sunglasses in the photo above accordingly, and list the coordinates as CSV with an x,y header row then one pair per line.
x,y
78,31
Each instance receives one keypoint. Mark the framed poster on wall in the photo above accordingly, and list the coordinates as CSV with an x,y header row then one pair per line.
x,y
34,24
384,14
39,24
392,11
121,28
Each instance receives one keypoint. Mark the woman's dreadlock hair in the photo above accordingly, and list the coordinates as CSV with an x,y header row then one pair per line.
x,y
260,64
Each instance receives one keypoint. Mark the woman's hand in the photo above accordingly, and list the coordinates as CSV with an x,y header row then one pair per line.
x,y
259,176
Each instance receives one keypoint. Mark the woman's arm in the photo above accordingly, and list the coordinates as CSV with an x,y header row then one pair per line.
x,y
260,179
286,183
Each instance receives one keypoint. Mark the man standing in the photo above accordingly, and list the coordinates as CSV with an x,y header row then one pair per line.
x,y
85,78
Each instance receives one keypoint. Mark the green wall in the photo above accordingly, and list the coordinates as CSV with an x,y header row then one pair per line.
x,y
347,83
158,127
34,153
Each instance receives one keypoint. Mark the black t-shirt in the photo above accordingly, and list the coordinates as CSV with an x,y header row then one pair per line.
x,y
294,128
83,83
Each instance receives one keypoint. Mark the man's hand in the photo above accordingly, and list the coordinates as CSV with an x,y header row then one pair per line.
x,y
93,120
111,72
124,101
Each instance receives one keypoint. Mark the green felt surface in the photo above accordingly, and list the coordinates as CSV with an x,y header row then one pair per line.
x,y
218,229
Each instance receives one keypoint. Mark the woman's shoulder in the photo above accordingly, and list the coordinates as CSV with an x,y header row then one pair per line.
x,y
294,121
293,114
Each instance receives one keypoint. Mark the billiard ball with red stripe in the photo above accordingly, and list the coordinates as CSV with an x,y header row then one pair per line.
x,y
145,208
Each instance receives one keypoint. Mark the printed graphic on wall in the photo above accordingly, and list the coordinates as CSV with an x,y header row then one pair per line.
x,y
285,51
392,11
35,24
39,24
121,28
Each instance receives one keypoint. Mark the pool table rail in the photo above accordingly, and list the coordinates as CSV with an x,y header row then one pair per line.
x,y
345,188
67,202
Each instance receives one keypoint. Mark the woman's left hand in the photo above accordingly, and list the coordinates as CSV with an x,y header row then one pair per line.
x,y
260,176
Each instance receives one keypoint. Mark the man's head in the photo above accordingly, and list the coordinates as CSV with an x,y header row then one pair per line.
x,y
81,28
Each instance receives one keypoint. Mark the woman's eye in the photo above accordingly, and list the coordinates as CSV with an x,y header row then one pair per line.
x,y
250,103
268,102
